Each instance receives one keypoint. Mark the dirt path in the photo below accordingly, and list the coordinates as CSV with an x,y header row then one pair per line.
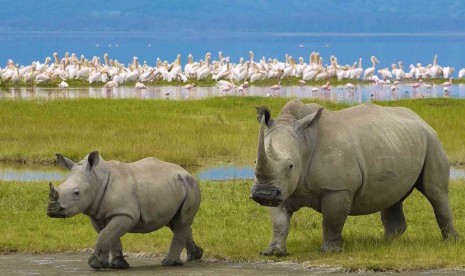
x,y
76,264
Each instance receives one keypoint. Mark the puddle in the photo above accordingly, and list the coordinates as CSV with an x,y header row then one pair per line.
x,y
55,174
226,173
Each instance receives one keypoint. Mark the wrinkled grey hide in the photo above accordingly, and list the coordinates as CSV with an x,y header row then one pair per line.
x,y
138,197
356,161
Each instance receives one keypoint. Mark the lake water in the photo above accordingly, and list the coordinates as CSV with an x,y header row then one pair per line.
x,y
362,93
411,48
25,173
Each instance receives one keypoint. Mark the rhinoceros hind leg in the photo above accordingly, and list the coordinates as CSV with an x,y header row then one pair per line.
x,y
194,254
119,263
394,221
97,262
433,183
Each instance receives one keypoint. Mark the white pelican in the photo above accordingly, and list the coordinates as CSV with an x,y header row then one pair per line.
x,y
350,86
416,84
357,72
447,83
140,85
276,86
462,73
189,86
111,84
204,71
326,86
63,84
370,70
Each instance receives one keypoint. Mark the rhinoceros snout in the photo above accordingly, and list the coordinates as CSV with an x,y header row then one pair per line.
x,y
266,195
56,210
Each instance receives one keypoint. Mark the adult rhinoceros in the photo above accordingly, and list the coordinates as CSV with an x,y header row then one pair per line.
x,y
137,197
356,161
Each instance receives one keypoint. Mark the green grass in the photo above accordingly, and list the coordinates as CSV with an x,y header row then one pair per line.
x,y
190,133
231,226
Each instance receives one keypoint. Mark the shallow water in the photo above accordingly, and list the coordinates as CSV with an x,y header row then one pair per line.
x,y
24,173
361,94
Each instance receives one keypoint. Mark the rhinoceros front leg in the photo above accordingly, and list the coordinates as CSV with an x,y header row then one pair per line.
x,y
109,236
280,219
335,207
117,258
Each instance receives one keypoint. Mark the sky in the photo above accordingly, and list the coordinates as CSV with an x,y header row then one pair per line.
x,y
204,16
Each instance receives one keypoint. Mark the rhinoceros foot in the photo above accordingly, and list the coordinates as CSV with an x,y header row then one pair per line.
x,y
274,250
97,262
331,248
167,262
195,255
119,263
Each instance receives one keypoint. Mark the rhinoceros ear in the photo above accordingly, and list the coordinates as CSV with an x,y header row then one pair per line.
x,y
64,162
264,111
309,120
93,159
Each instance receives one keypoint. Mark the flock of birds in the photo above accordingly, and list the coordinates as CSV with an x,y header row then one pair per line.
x,y
227,74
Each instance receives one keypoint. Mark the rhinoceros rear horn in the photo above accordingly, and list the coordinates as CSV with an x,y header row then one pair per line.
x,y
53,194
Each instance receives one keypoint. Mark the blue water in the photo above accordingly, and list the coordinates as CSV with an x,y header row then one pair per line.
x,y
411,48
53,174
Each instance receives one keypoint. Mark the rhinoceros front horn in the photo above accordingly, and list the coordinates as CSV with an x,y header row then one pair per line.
x,y
53,194
262,168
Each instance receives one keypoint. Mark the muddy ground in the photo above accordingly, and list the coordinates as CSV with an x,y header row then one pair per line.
x,y
76,264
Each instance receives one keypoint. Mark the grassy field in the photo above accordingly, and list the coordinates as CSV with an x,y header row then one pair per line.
x,y
231,226
199,133
190,133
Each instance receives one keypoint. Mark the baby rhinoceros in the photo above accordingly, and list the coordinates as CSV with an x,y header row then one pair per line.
x,y
138,197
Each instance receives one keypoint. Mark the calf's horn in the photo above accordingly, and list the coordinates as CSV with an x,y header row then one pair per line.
x,y
53,194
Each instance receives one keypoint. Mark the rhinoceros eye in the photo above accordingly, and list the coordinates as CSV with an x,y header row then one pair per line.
x,y
76,193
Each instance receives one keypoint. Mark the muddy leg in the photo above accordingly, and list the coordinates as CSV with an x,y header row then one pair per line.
x,y
194,252
109,235
117,260
178,242
394,221
280,219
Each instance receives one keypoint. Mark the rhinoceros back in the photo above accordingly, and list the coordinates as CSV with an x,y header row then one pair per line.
x,y
382,150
